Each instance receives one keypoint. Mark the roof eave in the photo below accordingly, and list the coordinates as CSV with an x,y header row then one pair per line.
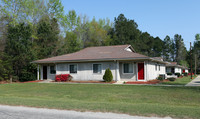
x,y
160,61
90,60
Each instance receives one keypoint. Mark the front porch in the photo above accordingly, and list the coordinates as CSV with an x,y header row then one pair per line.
x,y
131,71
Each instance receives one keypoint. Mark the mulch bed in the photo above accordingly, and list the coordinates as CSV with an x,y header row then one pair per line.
x,y
143,82
88,82
32,81
7,82
4,82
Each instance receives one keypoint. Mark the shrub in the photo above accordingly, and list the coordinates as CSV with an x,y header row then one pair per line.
x,y
185,74
1,79
108,77
172,79
63,77
169,73
160,78
27,76
177,74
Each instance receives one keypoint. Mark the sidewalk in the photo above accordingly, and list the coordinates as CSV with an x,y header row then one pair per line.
x,y
195,82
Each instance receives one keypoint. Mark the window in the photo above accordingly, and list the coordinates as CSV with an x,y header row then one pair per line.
x,y
97,68
128,68
156,67
52,70
159,67
73,68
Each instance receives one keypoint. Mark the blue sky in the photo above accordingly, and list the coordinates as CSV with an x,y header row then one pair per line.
x,y
157,17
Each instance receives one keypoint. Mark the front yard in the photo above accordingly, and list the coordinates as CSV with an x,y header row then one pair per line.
x,y
180,81
180,102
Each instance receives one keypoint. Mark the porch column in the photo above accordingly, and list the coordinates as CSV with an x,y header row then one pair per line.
x,y
117,71
41,72
38,72
145,71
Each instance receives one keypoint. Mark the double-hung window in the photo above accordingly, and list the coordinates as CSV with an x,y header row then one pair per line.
x,y
128,68
97,68
52,70
156,67
73,68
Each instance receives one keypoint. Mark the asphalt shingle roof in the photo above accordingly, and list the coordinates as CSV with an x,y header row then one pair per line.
x,y
96,53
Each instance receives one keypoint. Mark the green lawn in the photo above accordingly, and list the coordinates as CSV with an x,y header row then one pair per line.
x,y
179,81
179,102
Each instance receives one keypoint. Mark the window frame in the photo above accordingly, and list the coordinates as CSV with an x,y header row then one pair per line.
x,y
123,68
76,68
156,68
93,68
54,69
159,67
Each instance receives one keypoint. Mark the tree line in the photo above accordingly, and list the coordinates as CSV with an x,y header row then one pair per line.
x,y
36,29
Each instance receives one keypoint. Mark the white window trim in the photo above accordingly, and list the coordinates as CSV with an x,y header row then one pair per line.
x,y
123,67
93,68
76,66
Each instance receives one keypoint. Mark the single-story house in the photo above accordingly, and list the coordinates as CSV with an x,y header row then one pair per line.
x,y
173,67
90,64
184,69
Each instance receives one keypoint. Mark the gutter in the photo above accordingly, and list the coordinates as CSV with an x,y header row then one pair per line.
x,y
90,60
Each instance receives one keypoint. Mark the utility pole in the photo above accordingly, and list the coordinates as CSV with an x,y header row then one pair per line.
x,y
191,59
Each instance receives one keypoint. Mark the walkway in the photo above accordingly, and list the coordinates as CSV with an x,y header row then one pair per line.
x,y
195,82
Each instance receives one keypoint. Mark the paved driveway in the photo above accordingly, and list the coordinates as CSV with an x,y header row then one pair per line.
x,y
17,112
195,82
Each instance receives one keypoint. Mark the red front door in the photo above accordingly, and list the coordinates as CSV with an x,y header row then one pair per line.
x,y
140,71
183,70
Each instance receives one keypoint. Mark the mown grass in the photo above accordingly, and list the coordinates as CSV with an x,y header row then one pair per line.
x,y
179,102
180,81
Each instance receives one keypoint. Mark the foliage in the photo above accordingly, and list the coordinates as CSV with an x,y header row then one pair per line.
x,y
180,48
47,34
125,31
177,74
184,63
185,74
171,79
19,48
160,78
169,73
108,77
63,77
5,67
